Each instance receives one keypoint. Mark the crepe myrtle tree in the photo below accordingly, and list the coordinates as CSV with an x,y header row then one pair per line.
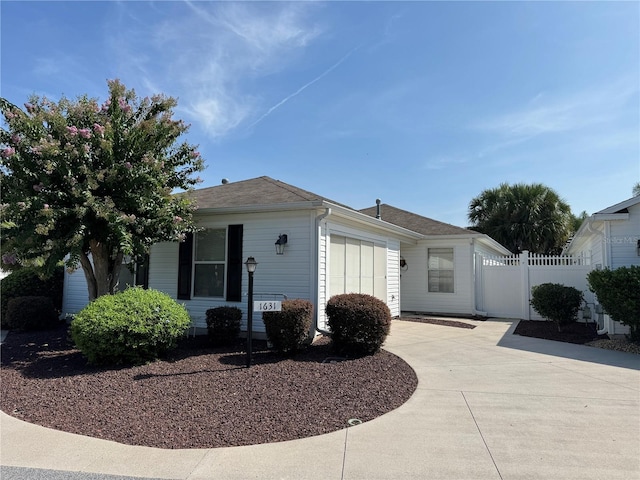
x,y
82,179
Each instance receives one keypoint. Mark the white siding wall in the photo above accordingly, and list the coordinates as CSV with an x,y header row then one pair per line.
x,y
415,294
75,294
590,244
623,240
163,268
296,274
289,274
393,277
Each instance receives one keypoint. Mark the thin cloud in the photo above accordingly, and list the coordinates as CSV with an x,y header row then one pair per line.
x,y
208,55
303,88
575,112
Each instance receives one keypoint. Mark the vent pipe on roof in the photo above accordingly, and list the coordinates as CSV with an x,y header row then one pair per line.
x,y
225,181
378,208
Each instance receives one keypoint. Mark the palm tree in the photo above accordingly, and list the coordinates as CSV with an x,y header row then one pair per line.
x,y
522,217
636,189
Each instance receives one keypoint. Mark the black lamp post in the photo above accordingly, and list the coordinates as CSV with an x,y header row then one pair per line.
x,y
251,265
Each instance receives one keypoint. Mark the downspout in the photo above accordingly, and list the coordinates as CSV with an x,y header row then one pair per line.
x,y
319,219
606,258
475,281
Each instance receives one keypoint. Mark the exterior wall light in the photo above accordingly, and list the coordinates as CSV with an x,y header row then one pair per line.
x,y
280,243
638,248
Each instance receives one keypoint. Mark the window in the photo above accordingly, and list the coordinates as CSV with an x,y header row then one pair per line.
x,y
440,270
209,262
215,262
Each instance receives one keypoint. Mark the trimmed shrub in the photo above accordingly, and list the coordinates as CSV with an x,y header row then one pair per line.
x,y
618,292
288,330
31,313
359,323
223,324
556,302
26,282
130,327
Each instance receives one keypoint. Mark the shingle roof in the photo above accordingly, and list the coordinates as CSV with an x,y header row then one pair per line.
x,y
256,191
417,223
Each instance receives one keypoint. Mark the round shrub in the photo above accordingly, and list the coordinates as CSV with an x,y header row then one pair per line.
x,y
130,327
556,302
223,324
26,282
618,292
288,330
31,313
359,323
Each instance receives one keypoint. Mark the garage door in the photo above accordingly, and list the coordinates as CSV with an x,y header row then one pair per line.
x,y
357,266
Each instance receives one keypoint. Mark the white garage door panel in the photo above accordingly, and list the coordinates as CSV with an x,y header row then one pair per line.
x,y
380,272
336,265
357,266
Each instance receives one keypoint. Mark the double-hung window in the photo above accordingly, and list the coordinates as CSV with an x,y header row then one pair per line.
x,y
440,270
209,263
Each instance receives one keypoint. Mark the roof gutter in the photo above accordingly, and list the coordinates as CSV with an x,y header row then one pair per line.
x,y
409,236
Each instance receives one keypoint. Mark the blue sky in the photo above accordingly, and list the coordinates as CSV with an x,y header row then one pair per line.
x,y
421,104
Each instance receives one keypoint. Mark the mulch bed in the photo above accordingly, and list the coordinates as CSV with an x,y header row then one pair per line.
x,y
579,333
200,396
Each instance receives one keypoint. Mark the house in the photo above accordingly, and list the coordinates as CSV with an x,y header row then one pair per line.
x,y
438,271
408,261
612,238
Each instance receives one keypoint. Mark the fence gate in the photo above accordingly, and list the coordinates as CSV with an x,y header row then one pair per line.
x,y
503,284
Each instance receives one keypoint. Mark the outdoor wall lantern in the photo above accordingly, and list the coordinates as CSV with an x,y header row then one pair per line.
x,y
251,265
280,243
638,248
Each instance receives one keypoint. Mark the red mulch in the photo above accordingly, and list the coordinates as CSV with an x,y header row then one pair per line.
x,y
199,396
579,333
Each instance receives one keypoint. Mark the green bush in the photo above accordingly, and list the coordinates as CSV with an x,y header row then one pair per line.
x,y
556,302
26,282
223,324
130,327
618,292
31,313
359,323
288,330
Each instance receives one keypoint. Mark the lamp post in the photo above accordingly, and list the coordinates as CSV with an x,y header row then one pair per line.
x,y
251,265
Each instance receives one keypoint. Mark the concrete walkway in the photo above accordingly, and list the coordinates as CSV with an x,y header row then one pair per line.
x,y
489,405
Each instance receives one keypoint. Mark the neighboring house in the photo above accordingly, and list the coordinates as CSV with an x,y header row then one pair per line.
x,y
612,238
408,261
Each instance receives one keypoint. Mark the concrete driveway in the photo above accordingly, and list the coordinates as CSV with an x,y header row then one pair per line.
x,y
489,405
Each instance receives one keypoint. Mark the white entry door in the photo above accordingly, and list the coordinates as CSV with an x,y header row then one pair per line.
x,y
357,266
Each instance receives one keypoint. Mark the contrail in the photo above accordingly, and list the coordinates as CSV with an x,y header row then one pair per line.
x,y
304,87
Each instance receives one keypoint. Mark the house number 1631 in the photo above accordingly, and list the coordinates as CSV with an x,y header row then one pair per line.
x,y
271,306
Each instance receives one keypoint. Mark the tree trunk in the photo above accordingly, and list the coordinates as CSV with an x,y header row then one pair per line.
x,y
87,268
102,272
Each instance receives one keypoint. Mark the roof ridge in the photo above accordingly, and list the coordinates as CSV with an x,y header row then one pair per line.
x,y
291,188
418,215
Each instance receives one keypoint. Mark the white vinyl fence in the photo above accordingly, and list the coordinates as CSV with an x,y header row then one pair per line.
x,y
503,284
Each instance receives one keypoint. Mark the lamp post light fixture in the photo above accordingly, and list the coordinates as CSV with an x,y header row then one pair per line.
x,y
251,265
280,243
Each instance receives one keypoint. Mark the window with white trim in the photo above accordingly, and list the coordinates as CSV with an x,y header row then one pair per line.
x,y
209,263
440,270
